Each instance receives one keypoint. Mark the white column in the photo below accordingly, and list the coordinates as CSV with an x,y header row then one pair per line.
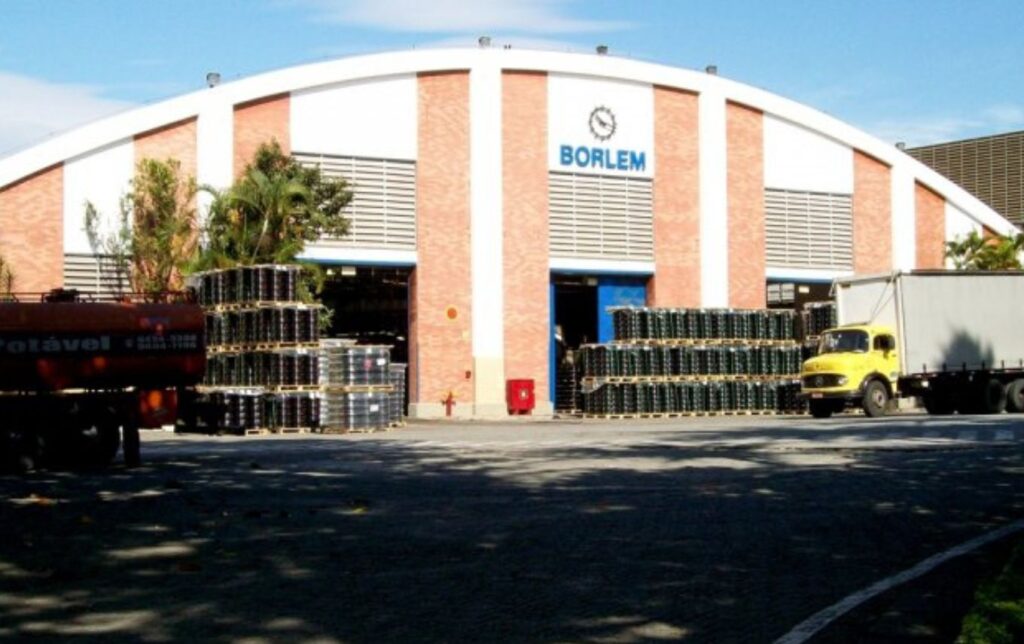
x,y
485,173
214,146
714,213
904,230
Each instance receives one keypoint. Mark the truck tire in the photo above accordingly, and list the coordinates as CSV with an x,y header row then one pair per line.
x,y
939,404
20,451
89,441
991,397
876,399
1015,396
821,408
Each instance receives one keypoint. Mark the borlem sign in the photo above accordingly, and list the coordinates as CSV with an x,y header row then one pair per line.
x,y
602,125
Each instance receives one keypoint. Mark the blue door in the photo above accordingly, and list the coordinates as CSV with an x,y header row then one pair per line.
x,y
617,291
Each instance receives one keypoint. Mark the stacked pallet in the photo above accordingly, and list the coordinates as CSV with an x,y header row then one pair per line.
x,y
816,318
362,389
263,349
693,361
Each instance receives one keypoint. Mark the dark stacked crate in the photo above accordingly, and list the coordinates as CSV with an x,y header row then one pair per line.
x,y
815,319
667,361
262,365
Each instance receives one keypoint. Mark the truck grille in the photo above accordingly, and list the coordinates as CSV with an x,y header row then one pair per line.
x,y
821,380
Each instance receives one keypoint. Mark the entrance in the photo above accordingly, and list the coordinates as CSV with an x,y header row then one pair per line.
x,y
580,315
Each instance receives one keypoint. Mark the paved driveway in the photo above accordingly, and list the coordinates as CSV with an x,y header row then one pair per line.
x,y
709,530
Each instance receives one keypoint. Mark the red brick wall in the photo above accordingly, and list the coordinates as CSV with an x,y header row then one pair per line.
x,y
745,194
440,349
676,201
930,218
872,215
32,230
259,122
175,141
525,214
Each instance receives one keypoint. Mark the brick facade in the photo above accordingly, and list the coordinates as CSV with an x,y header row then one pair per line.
x,y
176,141
676,281
260,122
440,347
525,214
32,232
745,198
930,225
872,215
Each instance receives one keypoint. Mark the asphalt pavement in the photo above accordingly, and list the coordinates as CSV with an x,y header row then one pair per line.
x,y
707,530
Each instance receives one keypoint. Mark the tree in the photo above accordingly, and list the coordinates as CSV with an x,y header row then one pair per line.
x,y
156,237
986,253
6,280
271,211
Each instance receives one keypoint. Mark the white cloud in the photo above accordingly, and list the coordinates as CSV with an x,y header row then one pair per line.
x,y
928,130
33,109
451,16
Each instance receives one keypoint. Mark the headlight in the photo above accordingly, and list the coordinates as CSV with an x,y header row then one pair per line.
x,y
841,381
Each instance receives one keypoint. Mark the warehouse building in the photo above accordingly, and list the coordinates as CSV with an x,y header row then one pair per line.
x,y
989,167
504,195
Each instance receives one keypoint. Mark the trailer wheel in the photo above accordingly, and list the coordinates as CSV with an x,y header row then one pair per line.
x,y
89,439
939,404
1015,396
991,397
876,398
20,451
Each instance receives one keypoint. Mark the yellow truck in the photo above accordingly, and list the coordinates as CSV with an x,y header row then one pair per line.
x,y
953,340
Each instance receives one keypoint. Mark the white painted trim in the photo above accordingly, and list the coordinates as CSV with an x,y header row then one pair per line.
x,y
600,266
797,274
130,123
341,255
714,207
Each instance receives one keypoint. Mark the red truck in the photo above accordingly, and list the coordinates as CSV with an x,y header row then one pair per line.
x,y
77,375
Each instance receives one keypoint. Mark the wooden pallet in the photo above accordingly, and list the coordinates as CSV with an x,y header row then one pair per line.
x,y
357,389
265,431
691,414
261,346
612,380
354,430
702,342
260,304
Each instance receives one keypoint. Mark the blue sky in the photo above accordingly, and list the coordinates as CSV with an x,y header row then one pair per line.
x,y
905,70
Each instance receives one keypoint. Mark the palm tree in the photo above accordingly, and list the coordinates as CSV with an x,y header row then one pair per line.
x,y
986,253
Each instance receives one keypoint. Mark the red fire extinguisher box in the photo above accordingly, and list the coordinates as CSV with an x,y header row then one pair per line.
x,y
520,396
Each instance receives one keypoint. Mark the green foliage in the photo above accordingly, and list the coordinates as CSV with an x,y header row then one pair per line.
x,y
6,279
155,239
978,253
997,616
269,214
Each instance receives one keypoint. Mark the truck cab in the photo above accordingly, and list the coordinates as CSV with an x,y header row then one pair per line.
x,y
857,365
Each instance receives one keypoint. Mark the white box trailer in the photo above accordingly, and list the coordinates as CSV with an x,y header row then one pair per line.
x,y
960,334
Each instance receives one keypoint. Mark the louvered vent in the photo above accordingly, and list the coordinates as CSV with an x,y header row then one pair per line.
x,y
383,207
808,229
600,217
96,275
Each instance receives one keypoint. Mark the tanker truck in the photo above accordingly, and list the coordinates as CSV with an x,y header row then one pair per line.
x,y
76,375
952,339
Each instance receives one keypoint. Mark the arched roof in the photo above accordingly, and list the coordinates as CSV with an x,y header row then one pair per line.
x,y
125,125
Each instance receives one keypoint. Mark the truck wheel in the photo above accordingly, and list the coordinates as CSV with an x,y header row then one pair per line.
x,y
821,408
939,404
876,397
1015,396
991,397
20,451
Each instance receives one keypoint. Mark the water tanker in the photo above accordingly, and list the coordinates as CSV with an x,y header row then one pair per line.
x,y
77,375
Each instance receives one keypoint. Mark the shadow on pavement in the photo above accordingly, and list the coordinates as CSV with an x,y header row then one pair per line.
x,y
326,539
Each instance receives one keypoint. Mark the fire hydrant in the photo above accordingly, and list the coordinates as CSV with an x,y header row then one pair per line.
x,y
448,403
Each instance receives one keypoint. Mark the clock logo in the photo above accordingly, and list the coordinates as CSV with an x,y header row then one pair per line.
x,y
602,123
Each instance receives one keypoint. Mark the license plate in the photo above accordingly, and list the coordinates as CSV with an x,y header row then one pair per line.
x,y
817,395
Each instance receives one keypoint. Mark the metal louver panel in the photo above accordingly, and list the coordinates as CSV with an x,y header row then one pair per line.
x,y
383,207
96,275
600,217
808,229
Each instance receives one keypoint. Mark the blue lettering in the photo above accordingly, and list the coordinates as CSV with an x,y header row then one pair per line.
x,y
597,158
622,159
582,157
566,153
637,161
